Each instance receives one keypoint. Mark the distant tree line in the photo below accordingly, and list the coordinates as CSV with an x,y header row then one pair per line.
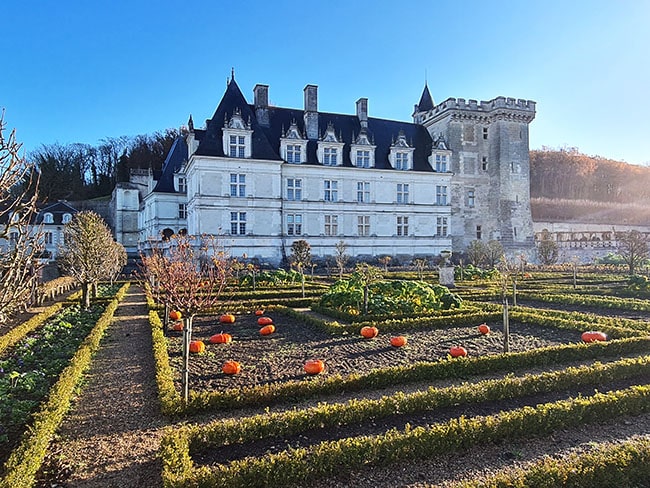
x,y
84,171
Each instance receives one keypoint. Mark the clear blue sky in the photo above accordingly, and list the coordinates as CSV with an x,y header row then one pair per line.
x,y
78,71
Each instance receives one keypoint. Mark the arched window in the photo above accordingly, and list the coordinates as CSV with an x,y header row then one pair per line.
x,y
167,233
48,218
66,218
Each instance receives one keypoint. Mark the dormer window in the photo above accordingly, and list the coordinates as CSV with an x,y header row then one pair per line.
x,y
48,218
330,148
237,136
66,218
182,185
293,145
441,163
401,153
362,151
440,158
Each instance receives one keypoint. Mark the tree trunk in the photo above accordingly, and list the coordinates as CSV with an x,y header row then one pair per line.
x,y
506,327
185,371
365,300
514,293
302,280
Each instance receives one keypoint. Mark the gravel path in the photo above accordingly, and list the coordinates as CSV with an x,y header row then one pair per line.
x,y
112,433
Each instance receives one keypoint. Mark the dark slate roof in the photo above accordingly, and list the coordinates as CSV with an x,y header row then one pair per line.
x,y
266,140
57,209
173,162
426,101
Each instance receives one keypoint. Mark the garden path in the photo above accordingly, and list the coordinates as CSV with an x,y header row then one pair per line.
x,y
111,436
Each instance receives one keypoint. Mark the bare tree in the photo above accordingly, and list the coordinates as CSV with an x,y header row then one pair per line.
x,y
385,261
476,252
366,275
341,257
493,253
547,250
420,265
301,258
89,253
20,242
633,248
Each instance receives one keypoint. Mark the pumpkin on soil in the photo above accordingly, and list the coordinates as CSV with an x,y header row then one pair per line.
x,y
484,329
178,326
458,352
398,341
175,315
267,329
593,336
231,367
265,321
259,312
227,318
314,366
197,347
369,332
221,338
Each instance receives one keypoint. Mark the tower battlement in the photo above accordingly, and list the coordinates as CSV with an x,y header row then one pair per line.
x,y
484,106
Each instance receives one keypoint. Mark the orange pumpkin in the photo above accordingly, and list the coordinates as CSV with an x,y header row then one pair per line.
x,y
178,326
197,346
265,321
369,332
227,318
593,336
458,351
231,367
267,329
175,315
314,366
398,341
484,329
259,312
221,339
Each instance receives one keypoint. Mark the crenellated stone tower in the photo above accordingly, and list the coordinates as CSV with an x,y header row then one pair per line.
x,y
490,187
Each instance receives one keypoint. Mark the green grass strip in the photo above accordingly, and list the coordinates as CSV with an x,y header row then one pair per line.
x,y
25,461
19,332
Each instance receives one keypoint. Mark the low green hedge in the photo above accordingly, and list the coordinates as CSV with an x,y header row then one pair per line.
x,y
170,398
20,331
25,461
300,465
588,300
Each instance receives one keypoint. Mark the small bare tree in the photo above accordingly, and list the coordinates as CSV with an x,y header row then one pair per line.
x,y
20,241
385,261
367,275
420,265
341,257
301,258
633,248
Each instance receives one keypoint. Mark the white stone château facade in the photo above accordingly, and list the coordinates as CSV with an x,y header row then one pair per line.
x,y
262,177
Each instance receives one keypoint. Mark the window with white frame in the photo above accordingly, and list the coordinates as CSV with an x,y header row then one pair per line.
x,y
479,232
363,192
294,153
182,185
182,211
237,147
48,218
363,158
237,185
441,226
66,218
331,190
294,189
471,198
402,160
294,224
441,163
331,225
363,225
402,193
48,238
402,226
237,223
330,156
441,195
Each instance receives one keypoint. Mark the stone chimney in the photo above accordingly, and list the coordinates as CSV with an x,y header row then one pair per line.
x,y
362,112
261,95
311,111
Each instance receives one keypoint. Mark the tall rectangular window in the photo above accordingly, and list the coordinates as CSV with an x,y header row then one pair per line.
x,y
402,193
401,160
182,185
363,159
293,153
331,190
484,163
331,225
330,156
402,226
48,238
237,146
363,225
485,132
441,163
363,192
237,185
294,189
441,195
238,223
182,211
441,226
479,232
294,224
471,198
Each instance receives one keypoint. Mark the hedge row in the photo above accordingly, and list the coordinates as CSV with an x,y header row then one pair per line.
x,y
324,416
17,333
588,319
301,465
589,301
25,461
625,464
170,398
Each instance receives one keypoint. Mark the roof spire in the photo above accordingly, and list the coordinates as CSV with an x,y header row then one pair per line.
x,y
232,74
426,101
